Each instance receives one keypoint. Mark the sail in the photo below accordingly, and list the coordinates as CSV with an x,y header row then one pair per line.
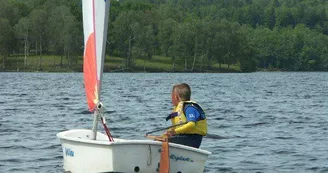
x,y
95,24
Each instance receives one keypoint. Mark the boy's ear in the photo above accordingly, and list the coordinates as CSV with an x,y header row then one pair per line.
x,y
177,97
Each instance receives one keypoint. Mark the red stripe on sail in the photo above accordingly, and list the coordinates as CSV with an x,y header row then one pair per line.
x,y
90,72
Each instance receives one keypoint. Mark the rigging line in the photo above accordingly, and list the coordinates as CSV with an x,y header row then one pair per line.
x,y
165,128
107,131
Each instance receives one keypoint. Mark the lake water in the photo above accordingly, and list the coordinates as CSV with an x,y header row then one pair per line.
x,y
274,122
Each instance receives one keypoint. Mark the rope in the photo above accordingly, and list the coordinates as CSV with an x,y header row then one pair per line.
x,y
165,128
107,131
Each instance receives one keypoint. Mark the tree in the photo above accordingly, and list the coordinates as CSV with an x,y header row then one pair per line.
x,y
165,34
263,40
7,11
123,34
270,15
213,42
247,52
64,33
200,48
6,40
287,57
22,29
39,31
178,48
234,43
184,43
314,52
144,40
285,17
168,11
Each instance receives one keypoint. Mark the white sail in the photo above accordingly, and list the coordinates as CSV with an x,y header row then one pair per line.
x,y
95,24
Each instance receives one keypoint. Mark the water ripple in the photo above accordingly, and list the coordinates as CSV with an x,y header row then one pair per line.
x,y
257,122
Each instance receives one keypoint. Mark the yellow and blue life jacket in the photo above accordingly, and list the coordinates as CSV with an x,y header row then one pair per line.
x,y
178,117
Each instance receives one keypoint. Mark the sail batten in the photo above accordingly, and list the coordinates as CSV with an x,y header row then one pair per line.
x,y
95,24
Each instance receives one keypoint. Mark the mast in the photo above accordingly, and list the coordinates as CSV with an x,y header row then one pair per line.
x,y
95,25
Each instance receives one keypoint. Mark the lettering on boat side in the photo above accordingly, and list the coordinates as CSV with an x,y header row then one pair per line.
x,y
181,158
69,152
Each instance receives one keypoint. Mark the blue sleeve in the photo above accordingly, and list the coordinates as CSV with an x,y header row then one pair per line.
x,y
192,114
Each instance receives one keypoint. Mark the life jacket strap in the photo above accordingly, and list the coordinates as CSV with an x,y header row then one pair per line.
x,y
172,115
197,107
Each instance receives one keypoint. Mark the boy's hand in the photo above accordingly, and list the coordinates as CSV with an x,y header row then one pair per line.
x,y
170,132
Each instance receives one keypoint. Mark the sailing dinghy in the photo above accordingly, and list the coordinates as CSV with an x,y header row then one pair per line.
x,y
89,151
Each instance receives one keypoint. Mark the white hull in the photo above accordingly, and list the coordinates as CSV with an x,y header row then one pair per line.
x,y
82,155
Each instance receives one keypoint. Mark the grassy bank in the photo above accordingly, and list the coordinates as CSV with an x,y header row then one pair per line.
x,y
49,63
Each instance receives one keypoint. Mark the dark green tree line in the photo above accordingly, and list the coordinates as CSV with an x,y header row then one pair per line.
x,y
270,34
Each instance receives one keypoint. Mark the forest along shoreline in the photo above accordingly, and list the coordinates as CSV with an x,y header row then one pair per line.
x,y
169,36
